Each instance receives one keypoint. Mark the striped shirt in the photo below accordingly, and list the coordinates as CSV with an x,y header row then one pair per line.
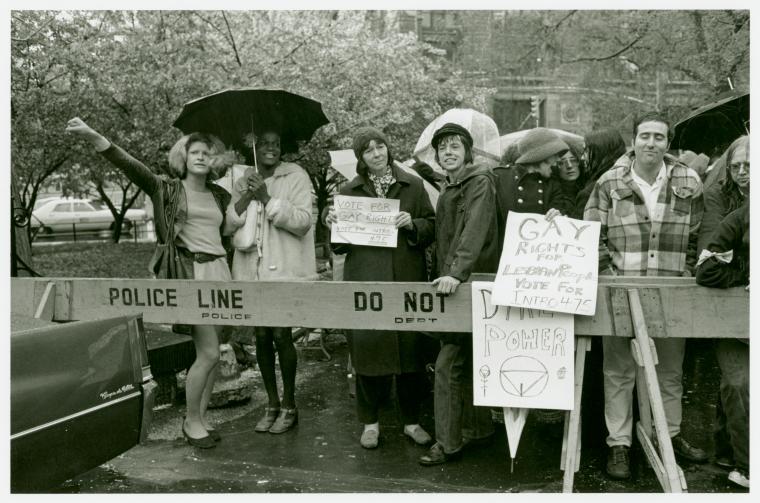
x,y
632,242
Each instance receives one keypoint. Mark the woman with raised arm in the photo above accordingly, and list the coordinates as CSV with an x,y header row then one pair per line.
x,y
189,212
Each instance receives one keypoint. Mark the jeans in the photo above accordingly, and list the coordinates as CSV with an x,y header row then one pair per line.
x,y
732,424
456,418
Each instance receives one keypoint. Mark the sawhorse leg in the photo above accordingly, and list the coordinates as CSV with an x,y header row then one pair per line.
x,y
571,442
663,463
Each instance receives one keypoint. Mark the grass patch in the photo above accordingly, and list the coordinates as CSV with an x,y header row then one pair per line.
x,y
93,260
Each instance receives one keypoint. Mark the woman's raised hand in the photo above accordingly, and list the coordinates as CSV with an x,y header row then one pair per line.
x,y
78,127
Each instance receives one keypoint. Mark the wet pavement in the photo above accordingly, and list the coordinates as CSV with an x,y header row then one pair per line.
x,y
322,454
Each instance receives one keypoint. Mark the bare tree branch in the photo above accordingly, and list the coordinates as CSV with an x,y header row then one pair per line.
x,y
232,39
609,56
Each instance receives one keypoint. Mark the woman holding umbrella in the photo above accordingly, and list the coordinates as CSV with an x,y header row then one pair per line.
x,y
378,357
286,252
190,211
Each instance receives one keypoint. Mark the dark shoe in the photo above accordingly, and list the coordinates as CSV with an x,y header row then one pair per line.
x,y
214,435
739,477
436,456
619,463
726,462
266,422
285,421
685,450
203,443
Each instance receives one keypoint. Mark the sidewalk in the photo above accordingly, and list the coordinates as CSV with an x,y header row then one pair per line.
x,y
322,454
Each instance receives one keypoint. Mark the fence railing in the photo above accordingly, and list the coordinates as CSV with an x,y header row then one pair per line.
x,y
137,232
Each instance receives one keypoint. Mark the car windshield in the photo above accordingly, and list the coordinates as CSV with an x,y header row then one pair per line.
x,y
97,204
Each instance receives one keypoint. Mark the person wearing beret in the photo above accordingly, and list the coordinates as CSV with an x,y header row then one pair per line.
x,y
527,186
466,243
380,357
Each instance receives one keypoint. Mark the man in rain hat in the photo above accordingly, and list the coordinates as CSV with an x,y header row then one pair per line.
x,y
650,206
527,186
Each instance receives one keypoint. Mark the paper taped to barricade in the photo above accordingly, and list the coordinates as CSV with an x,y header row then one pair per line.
x,y
522,358
367,221
548,265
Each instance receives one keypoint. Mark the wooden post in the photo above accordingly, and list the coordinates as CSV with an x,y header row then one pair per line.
x,y
665,466
571,442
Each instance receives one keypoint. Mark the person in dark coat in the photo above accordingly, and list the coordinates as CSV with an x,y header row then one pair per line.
x,y
466,242
528,187
570,171
729,194
721,199
603,148
725,264
379,356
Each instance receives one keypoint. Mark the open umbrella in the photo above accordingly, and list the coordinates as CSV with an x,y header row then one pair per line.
x,y
344,162
233,113
482,128
715,124
567,137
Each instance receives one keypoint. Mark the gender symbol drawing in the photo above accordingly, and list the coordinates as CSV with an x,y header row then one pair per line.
x,y
523,376
485,371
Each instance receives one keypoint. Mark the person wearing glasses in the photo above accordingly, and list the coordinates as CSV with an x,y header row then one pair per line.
x,y
731,431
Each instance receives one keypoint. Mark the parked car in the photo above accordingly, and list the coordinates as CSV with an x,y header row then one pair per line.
x,y
81,394
58,215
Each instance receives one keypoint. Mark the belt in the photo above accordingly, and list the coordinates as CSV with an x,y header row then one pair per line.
x,y
199,257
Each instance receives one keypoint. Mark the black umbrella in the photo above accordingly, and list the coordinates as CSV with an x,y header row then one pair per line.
x,y
713,125
233,113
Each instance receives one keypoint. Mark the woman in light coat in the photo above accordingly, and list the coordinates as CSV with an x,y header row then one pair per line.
x,y
285,251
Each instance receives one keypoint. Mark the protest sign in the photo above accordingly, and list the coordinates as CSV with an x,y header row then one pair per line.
x,y
365,221
548,265
522,357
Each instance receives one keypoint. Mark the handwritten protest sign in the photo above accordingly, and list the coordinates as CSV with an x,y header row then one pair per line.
x,y
521,357
365,221
548,265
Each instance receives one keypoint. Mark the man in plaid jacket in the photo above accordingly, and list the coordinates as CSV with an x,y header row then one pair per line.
x,y
650,206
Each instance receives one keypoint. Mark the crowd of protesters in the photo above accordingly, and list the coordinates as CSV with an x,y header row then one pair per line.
x,y
656,220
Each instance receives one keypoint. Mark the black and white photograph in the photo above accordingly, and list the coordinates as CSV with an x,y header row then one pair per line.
x,y
426,248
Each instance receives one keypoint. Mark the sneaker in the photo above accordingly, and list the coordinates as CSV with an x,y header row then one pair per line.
x,y
685,450
416,433
369,438
738,477
618,462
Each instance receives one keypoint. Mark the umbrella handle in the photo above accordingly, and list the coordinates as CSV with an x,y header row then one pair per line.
x,y
253,146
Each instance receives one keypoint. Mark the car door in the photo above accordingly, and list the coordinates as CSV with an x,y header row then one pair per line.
x,y
81,394
88,218
60,218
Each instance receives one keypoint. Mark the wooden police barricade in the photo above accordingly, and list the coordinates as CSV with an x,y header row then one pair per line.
x,y
639,308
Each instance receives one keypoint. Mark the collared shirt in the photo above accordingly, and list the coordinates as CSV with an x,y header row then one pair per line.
x,y
650,192
633,241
